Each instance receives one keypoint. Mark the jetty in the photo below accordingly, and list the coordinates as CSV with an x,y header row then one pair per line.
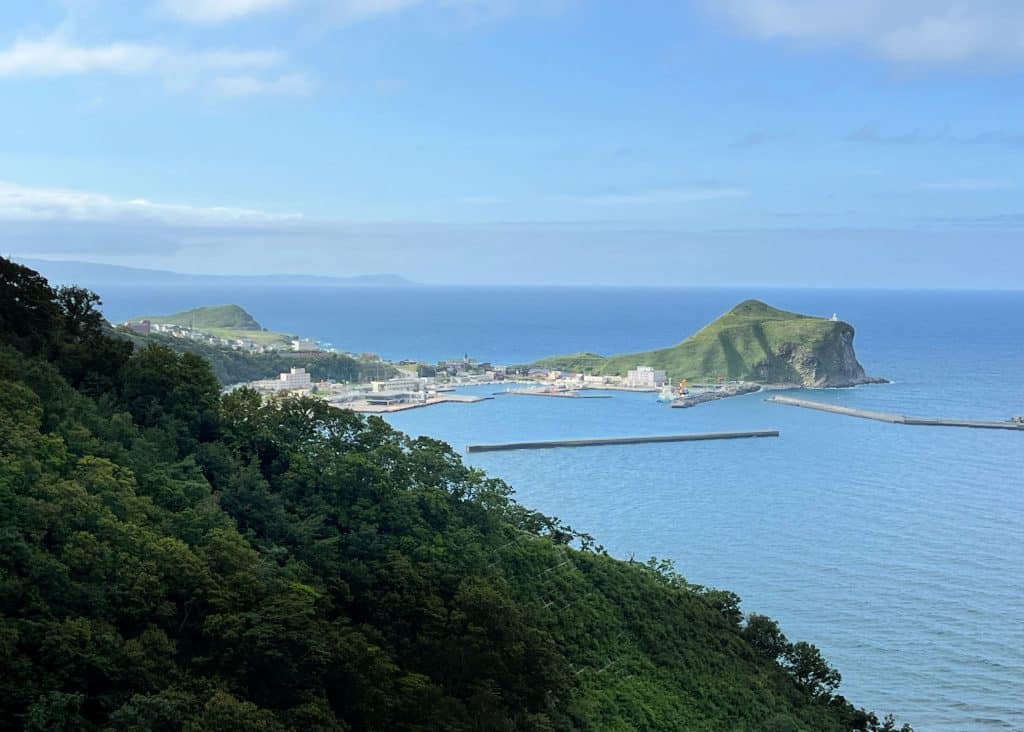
x,y
981,424
557,393
386,406
604,441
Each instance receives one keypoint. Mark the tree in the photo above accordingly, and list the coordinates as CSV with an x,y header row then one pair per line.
x,y
29,315
764,635
80,318
57,712
810,670
888,725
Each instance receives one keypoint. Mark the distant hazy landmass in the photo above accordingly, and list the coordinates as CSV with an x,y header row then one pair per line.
x,y
752,342
93,274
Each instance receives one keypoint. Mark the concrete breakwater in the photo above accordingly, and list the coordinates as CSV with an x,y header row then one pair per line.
x,y
713,394
364,406
603,441
557,393
898,418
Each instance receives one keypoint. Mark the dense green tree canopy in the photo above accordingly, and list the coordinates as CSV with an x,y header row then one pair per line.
x,y
175,560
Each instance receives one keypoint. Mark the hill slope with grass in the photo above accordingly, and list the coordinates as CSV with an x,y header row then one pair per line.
x,y
177,560
224,321
212,316
752,342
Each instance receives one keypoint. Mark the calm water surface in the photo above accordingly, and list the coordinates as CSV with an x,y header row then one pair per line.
x,y
897,550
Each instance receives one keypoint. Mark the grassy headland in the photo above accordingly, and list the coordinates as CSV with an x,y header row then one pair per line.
x,y
752,342
223,321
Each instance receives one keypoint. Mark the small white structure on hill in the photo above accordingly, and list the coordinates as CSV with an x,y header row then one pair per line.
x,y
646,377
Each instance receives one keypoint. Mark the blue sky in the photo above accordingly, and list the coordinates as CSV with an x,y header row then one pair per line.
x,y
780,142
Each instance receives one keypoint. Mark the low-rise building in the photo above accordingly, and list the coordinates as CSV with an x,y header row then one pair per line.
x,y
304,344
295,379
646,377
396,386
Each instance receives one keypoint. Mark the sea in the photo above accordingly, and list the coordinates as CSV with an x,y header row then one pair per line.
x,y
897,550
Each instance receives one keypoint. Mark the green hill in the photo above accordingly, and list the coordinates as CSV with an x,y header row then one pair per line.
x,y
177,560
205,318
752,342
224,321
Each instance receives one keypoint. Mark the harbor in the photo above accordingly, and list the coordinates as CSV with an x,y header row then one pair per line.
x,y
1014,424
606,441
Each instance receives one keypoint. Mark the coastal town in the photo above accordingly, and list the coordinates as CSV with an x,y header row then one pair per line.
x,y
414,384
240,343
412,391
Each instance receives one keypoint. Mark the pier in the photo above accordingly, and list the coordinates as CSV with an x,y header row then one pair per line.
x,y
981,424
603,441
382,406
557,393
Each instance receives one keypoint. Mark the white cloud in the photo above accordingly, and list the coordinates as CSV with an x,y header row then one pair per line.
x,y
225,71
474,11
53,56
289,85
646,198
357,10
211,12
348,12
25,203
906,32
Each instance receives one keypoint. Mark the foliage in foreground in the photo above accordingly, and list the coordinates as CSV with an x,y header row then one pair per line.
x,y
174,560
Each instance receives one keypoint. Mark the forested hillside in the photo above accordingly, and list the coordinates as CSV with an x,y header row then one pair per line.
x,y
235,367
174,560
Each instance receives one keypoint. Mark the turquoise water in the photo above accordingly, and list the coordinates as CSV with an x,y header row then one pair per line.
x,y
897,550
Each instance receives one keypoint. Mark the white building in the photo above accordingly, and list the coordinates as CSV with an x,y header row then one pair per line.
x,y
294,380
646,377
395,386
304,344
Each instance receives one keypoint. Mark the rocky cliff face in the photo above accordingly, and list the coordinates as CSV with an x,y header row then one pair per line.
x,y
831,363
